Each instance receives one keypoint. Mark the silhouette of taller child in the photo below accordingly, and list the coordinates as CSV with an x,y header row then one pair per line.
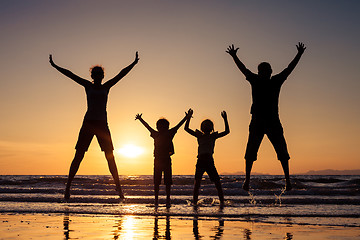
x,y
163,150
265,111
95,120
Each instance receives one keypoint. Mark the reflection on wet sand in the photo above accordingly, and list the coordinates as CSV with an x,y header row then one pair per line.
x,y
159,227
219,229
117,228
66,226
247,234
157,235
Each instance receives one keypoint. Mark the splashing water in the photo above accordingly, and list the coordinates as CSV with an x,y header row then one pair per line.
x,y
188,202
252,199
278,197
214,201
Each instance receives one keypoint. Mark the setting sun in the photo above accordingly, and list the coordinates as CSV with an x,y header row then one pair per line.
x,y
130,151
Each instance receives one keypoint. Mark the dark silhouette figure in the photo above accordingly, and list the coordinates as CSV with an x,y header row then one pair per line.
x,y
265,111
95,120
205,161
163,149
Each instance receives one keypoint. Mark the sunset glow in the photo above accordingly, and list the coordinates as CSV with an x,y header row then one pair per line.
x,y
130,151
182,64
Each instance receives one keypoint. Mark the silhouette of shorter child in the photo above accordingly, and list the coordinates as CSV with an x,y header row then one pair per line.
x,y
205,161
163,149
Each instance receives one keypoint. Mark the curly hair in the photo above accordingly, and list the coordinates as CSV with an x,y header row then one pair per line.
x,y
97,68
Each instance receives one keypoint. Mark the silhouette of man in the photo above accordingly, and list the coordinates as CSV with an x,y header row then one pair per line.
x,y
95,120
265,111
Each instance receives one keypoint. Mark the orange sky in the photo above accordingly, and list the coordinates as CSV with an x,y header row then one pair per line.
x,y
182,64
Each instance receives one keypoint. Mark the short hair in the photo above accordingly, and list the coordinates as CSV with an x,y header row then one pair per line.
x,y
162,124
264,67
207,126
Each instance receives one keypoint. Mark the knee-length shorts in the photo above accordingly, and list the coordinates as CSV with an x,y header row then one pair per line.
x,y
274,131
162,165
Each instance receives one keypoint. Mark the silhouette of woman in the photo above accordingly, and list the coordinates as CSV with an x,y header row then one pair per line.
x,y
95,120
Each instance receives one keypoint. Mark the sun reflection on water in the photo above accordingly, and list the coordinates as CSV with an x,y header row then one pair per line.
x,y
128,227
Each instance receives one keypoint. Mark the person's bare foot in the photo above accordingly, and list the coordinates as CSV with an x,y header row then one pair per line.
x,y
288,186
121,195
195,204
67,195
246,184
122,199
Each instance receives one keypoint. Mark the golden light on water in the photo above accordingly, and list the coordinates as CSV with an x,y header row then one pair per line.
x,y
129,227
130,151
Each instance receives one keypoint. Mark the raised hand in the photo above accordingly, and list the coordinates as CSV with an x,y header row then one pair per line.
x,y
189,113
223,115
231,50
136,57
51,60
138,116
300,47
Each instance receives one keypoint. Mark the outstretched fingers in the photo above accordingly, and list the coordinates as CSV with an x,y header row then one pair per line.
x,y
231,50
300,47
138,116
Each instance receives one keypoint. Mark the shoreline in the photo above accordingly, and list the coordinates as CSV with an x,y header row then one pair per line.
x,y
319,208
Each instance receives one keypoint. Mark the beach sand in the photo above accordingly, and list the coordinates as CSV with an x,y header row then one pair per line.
x,y
75,226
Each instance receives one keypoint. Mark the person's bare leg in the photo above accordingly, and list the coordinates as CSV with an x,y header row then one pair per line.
x,y
285,166
168,190
220,192
74,167
255,138
248,167
114,172
156,191
196,191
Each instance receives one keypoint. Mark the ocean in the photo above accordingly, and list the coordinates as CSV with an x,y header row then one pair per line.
x,y
321,200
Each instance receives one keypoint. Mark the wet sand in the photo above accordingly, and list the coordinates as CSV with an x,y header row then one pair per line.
x,y
77,226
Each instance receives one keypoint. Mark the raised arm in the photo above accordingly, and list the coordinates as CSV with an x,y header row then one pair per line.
x,y
300,48
187,123
183,120
232,52
122,73
227,129
68,73
139,117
